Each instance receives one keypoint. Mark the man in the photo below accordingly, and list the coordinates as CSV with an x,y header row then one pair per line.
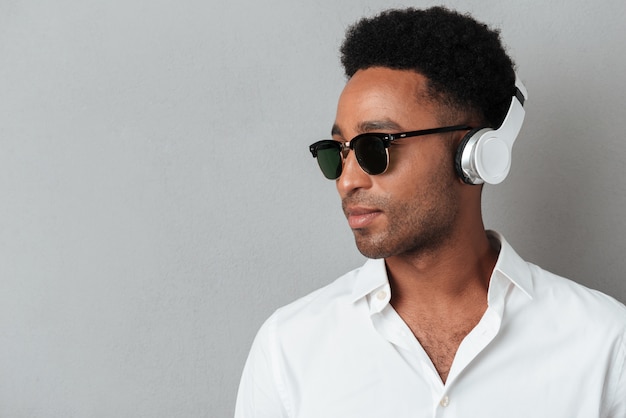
x,y
445,319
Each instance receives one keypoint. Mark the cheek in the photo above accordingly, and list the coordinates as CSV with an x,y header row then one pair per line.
x,y
405,162
419,173
418,162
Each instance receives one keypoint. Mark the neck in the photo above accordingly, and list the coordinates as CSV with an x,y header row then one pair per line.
x,y
457,271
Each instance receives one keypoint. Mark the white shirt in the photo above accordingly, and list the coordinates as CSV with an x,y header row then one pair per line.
x,y
545,347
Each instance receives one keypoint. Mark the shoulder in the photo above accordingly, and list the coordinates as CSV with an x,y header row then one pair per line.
x,y
318,302
585,306
333,311
555,299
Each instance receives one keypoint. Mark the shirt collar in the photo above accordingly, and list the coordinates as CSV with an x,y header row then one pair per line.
x,y
510,268
372,284
371,277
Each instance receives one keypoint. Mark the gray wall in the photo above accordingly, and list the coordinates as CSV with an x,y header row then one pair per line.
x,y
159,201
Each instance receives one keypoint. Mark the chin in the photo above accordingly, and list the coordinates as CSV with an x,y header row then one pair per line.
x,y
372,248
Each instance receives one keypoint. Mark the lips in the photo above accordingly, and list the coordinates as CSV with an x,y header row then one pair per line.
x,y
361,217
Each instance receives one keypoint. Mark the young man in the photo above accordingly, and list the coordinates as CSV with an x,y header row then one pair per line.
x,y
445,319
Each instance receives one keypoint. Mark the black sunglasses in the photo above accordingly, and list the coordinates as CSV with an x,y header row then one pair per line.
x,y
370,150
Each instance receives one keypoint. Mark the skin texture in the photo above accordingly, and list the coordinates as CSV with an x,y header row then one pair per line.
x,y
418,215
415,200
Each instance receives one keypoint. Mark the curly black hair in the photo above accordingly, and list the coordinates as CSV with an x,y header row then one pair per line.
x,y
464,61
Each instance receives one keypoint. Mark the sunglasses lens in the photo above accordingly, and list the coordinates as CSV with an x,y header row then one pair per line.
x,y
371,154
329,159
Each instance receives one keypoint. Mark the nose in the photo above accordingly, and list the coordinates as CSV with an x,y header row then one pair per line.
x,y
352,177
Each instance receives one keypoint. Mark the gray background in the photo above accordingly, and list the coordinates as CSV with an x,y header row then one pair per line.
x,y
159,201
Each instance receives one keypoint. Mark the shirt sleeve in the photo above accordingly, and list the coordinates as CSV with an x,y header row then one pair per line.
x,y
259,390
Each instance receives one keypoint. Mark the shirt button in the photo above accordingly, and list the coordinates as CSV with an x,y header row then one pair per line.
x,y
381,295
445,401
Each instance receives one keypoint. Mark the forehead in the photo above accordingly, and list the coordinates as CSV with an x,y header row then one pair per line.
x,y
377,95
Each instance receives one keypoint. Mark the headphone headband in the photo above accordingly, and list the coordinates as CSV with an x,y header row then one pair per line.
x,y
512,123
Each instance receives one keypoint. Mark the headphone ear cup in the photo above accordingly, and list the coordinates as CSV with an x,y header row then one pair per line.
x,y
484,155
464,155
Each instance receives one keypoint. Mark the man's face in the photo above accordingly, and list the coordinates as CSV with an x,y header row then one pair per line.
x,y
412,208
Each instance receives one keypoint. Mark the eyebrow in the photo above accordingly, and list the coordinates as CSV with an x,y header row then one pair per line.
x,y
371,126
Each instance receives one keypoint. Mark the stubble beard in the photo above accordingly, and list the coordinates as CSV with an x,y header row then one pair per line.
x,y
415,228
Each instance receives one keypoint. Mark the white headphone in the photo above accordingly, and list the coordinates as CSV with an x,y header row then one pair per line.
x,y
484,154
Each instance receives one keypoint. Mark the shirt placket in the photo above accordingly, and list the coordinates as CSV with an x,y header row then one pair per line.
x,y
391,327
389,324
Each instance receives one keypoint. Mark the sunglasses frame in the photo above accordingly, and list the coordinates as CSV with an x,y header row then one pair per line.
x,y
386,139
